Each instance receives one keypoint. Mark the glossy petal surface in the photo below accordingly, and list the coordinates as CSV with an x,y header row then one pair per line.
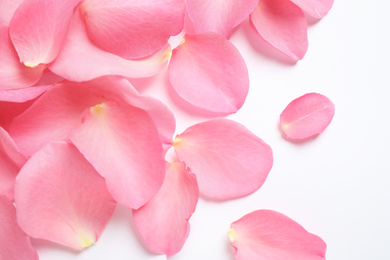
x,y
228,160
315,8
306,116
60,197
266,234
164,221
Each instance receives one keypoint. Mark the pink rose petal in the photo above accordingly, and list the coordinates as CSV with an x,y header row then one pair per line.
x,y
207,71
10,110
60,197
315,8
228,160
283,25
306,116
266,234
132,29
164,221
219,17
7,10
22,95
14,244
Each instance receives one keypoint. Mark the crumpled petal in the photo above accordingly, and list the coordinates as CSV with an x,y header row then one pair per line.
x,y
89,62
283,25
164,221
219,17
14,244
315,8
11,160
306,116
60,197
207,71
228,160
132,29
38,29
266,234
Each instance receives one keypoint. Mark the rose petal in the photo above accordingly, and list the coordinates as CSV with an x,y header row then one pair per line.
x,y
306,116
209,72
60,197
22,95
283,25
10,110
266,234
164,221
7,10
228,160
315,8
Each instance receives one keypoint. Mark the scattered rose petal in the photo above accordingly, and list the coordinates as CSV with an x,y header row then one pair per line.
x,y
22,95
306,116
7,10
207,71
164,221
228,160
315,8
14,244
60,197
283,25
10,110
266,234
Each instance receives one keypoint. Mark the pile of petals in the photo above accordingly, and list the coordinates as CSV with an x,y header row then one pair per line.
x,y
76,138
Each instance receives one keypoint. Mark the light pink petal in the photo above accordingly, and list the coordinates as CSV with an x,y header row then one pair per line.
x,y
60,197
219,16
22,95
306,116
283,25
266,234
11,160
89,62
207,71
315,8
38,29
7,10
164,221
124,146
228,160
14,244
132,29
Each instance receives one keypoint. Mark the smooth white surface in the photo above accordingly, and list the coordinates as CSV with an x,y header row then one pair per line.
x,y
337,185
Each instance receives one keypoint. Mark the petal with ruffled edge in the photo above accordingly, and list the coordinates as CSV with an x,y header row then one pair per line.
x,y
60,197
228,160
164,221
315,8
266,234
283,25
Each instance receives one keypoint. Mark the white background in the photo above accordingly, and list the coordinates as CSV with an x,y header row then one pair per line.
x,y
337,185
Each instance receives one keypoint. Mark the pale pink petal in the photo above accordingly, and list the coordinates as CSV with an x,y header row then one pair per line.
x,y
124,146
228,160
219,16
38,29
164,221
11,160
306,116
7,10
132,29
315,8
207,71
283,25
22,95
60,197
266,234
89,62
14,244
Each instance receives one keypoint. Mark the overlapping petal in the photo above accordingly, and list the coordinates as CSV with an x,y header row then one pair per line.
x,y
14,244
60,197
315,8
164,221
283,25
22,95
132,29
207,71
306,116
7,10
10,110
266,234
228,160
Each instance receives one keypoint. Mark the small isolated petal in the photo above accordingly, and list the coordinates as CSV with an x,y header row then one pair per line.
x,y
164,221
14,244
283,25
132,29
266,234
315,8
60,197
207,71
228,160
219,16
306,116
